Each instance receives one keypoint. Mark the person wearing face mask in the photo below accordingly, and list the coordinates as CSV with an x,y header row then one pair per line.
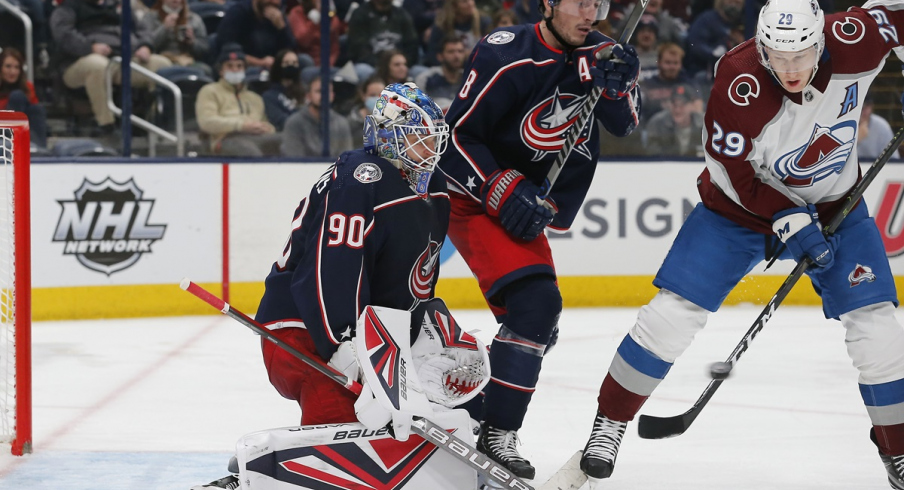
x,y
365,100
712,34
177,33
304,19
285,94
232,115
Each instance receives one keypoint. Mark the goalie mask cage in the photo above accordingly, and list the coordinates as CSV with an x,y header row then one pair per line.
x,y
15,284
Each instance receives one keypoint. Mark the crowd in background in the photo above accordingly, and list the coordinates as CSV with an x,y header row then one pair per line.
x,y
261,61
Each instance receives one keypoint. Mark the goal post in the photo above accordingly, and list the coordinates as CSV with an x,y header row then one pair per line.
x,y
15,284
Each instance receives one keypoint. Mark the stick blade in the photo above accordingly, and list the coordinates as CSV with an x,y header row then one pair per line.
x,y
569,476
650,427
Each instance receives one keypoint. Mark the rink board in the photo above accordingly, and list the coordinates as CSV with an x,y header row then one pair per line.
x,y
114,239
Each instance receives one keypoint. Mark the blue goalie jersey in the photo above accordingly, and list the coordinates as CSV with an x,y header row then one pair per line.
x,y
361,237
519,100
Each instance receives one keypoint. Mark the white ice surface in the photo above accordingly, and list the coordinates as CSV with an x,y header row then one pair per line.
x,y
159,403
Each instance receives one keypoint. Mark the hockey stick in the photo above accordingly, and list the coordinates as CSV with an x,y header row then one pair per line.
x,y
421,426
650,427
589,104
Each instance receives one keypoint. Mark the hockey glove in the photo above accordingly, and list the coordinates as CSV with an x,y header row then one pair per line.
x,y
801,232
345,361
507,195
617,74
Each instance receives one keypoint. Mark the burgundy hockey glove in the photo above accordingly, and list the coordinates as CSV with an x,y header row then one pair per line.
x,y
616,75
507,195
800,230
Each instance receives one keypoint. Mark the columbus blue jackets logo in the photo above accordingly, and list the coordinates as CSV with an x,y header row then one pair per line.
x,y
861,274
380,464
824,154
106,226
420,281
368,172
545,127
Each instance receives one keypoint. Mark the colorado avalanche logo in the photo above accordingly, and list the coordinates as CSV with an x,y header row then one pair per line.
x,y
420,281
826,153
545,127
743,88
861,274
850,31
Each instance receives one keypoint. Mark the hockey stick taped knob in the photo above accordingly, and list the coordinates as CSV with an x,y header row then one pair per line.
x,y
720,370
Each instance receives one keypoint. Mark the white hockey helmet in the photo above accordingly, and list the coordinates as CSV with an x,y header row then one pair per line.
x,y
408,129
789,36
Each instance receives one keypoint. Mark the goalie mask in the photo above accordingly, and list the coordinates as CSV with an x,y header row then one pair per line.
x,y
408,129
790,39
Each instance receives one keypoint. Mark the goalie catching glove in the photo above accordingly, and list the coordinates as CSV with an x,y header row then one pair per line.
x,y
445,368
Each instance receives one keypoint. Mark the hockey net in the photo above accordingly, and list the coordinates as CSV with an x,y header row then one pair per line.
x,y
15,284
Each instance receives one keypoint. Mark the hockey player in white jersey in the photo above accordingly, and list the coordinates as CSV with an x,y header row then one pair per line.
x,y
780,139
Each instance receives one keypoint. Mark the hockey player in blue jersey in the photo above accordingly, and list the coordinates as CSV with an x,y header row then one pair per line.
x,y
524,87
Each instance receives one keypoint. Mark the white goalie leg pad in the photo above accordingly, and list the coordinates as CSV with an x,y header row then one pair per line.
x,y
383,345
352,456
667,325
875,342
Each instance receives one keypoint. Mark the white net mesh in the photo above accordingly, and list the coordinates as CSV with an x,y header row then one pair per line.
x,y
7,291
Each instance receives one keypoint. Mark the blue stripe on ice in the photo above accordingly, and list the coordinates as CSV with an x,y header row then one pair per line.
x,y
53,470
642,360
883,394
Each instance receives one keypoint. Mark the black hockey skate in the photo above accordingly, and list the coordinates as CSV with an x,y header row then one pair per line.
x,y
598,460
501,446
228,482
894,465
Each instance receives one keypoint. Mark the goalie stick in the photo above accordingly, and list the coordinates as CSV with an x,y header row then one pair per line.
x,y
589,104
650,427
564,479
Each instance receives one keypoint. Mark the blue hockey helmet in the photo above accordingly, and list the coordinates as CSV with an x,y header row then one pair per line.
x,y
408,129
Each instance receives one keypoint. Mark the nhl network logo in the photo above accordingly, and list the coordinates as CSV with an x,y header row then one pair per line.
x,y
106,226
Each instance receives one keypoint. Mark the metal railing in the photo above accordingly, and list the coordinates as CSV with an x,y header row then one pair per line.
x,y
154,130
29,42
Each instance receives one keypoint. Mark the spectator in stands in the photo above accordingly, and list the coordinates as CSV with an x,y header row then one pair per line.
x,y
503,18
423,13
259,27
528,11
304,19
874,133
18,94
392,67
670,74
442,83
712,34
87,33
302,136
457,18
232,115
285,94
676,130
669,28
378,26
646,43
366,98
177,33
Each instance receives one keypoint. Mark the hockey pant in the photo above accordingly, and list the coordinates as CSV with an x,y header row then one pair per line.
x,y
667,326
322,400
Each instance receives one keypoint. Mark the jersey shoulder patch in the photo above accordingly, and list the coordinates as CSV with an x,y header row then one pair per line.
x,y
501,37
368,172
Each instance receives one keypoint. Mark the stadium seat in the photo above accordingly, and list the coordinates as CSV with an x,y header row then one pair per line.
x,y
211,13
82,147
189,80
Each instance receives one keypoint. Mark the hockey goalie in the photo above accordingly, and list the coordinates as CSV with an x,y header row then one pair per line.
x,y
412,365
